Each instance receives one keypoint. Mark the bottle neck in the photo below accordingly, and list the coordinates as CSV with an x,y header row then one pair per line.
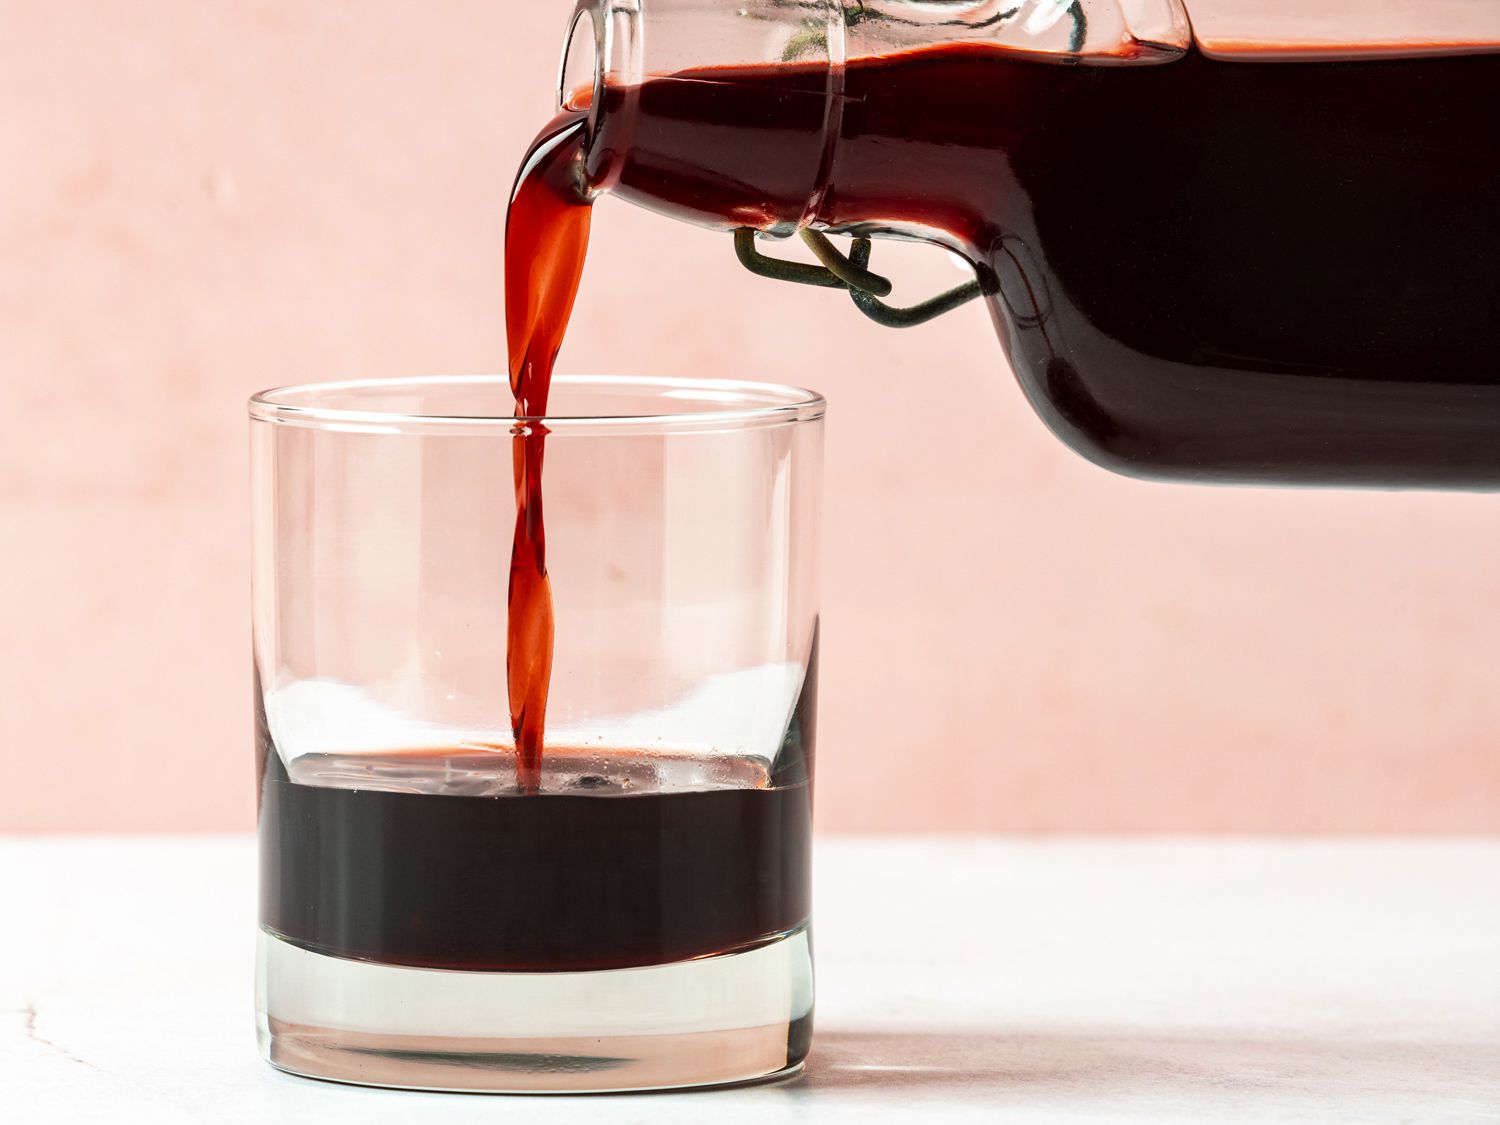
x,y
723,115
733,113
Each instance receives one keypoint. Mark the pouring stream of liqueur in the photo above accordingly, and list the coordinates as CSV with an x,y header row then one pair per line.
x,y
546,240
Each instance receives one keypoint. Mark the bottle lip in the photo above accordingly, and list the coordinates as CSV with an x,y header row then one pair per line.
x,y
603,44
575,90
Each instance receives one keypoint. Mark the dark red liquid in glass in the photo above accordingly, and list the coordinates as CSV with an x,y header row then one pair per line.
x,y
579,877
555,882
1203,270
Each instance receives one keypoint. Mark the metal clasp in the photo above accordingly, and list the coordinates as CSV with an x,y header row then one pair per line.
x,y
852,273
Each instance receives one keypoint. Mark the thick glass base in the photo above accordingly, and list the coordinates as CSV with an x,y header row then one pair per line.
x,y
738,1017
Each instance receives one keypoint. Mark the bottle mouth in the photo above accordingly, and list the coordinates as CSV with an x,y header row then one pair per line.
x,y
603,47
580,79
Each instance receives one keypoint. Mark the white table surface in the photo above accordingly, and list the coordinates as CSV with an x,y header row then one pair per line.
x,y
1180,979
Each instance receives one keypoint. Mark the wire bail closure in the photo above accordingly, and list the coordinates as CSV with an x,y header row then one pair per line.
x,y
852,273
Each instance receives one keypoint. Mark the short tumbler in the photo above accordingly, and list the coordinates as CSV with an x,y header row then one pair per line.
x,y
639,918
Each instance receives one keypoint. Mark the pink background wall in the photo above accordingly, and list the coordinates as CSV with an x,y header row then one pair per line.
x,y
197,200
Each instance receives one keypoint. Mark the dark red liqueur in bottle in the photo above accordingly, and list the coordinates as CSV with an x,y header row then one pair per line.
x,y
1203,270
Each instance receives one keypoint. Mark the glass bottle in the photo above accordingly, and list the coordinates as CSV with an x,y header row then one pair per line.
x,y
1258,245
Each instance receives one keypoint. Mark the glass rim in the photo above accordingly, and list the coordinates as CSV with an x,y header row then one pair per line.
x,y
755,404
